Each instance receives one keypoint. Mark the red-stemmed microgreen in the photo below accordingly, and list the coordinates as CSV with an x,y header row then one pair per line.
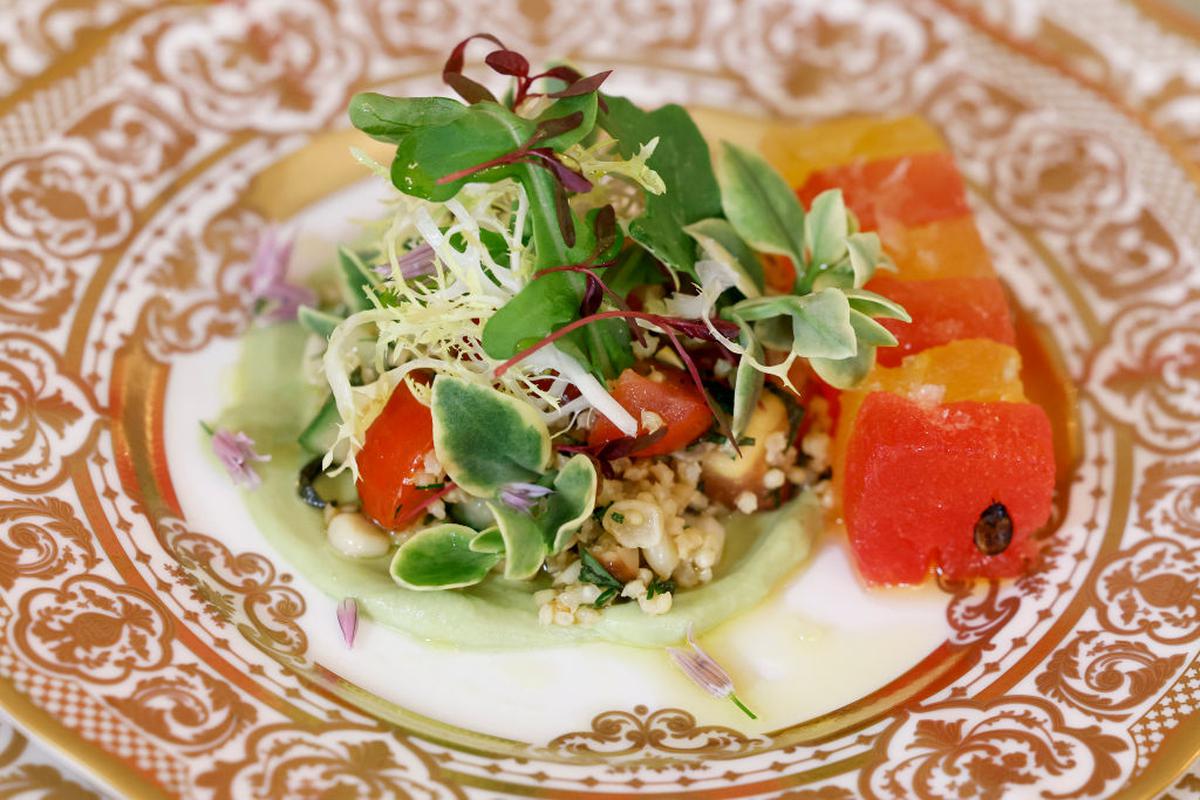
x,y
512,64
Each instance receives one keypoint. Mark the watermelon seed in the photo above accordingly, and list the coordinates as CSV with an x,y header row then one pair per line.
x,y
993,530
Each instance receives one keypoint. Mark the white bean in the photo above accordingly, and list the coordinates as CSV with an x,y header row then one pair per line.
x,y
355,536
662,557
634,523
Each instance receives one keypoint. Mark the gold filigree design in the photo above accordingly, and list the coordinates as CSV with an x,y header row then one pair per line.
x,y
989,751
1170,497
45,415
188,708
277,66
356,762
93,629
29,779
884,42
41,538
669,738
1148,373
61,201
35,291
243,588
1087,674
1151,589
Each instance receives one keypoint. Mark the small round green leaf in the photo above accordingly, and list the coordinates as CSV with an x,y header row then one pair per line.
x,y
485,439
441,558
524,542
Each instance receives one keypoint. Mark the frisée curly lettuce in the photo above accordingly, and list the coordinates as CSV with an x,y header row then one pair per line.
x,y
556,373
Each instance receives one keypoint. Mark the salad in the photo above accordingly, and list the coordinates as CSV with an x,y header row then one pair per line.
x,y
583,372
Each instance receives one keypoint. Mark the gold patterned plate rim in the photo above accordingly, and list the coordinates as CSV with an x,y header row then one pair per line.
x,y
140,208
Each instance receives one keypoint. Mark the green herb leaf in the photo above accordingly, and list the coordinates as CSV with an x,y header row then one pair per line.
x,y
721,242
846,373
604,597
390,119
592,571
541,307
876,305
319,322
869,332
866,252
485,439
489,540
440,557
524,542
356,278
659,586
761,206
748,382
573,500
483,133
585,104
682,161
820,322
825,228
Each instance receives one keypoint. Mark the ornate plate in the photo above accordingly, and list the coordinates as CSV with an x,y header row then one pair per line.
x,y
158,641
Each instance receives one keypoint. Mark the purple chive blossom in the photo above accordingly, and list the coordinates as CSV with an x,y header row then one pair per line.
x,y
268,278
413,264
235,451
706,672
347,617
522,496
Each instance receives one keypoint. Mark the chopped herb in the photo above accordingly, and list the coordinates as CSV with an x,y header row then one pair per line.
x,y
746,441
440,485
594,572
659,586
617,517
605,597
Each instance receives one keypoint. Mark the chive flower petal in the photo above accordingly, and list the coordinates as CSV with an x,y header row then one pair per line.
x,y
235,450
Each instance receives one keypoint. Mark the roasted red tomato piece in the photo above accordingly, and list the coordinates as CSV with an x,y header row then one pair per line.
x,y
392,455
665,391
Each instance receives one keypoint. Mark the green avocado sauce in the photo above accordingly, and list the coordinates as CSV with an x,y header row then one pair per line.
x,y
271,402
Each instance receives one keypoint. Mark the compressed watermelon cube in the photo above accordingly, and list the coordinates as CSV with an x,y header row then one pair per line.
x,y
943,484
978,370
943,310
909,190
798,151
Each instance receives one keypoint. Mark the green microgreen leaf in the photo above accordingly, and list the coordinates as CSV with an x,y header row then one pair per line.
x,y
825,229
485,439
584,105
820,322
682,161
866,252
390,119
721,242
748,382
356,279
319,322
440,557
845,373
869,332
876,305
759,204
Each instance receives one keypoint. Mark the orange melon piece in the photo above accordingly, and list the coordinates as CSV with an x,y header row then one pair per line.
x,y
798,151
945,248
